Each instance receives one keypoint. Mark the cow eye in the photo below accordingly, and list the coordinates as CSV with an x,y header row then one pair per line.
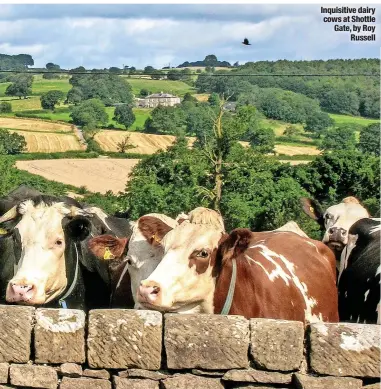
x,y
59,242
203,254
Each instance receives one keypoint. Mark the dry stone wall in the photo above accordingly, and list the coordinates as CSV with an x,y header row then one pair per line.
x,y
129,349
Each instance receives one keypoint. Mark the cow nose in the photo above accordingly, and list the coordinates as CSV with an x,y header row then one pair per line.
x,y
21,292
149,291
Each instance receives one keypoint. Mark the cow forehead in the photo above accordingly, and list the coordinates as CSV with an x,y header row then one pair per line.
x,y
41,220
189,237
347,211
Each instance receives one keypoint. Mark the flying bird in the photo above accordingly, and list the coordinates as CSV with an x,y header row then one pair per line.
x,y
246,42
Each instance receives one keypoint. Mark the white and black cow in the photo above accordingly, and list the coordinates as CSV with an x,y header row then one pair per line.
x,y
336,220
359,275
44,259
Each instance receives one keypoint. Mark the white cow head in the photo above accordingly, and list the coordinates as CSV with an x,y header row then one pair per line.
x,y
45,230
336,220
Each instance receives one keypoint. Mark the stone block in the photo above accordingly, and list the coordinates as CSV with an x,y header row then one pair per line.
x,y
84,383
101,374
16,324
189,381
206,341
4,372
71,370
373,386
59,336
33,376
141,373
133,383
276,344
308,382
258,376
124,338
345,349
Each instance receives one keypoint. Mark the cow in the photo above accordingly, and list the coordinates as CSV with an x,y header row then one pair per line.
x,y
276,274
336,220
359,275
44,257
133,258
136,257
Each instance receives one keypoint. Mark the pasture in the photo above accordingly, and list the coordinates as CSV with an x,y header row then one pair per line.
x,y
356,120
97,175
178,88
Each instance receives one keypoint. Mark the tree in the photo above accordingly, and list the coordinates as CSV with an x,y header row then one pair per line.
x,y
291,131
74,96
91,115
124,115
144,92
189,98
79,69
370,139
50,99
165,120
339,138
51,67
156,75
174,75
115,70
318,121
148,69
214,99
21,86
5,107
125,144
109,88
262,140
11,143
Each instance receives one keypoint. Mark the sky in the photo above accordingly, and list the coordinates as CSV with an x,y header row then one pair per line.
x,y
100,36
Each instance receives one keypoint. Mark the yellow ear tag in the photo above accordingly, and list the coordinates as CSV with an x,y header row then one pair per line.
x,y
108,254
155,238
312,209
3,232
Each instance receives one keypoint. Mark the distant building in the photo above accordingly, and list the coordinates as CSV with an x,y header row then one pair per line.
x,y
152,101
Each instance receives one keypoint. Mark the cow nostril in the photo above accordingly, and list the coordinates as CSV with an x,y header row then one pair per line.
x,y
156,290
330,230
343,232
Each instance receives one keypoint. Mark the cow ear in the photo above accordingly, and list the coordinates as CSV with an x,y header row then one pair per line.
x,y
108,247
78,228
312,209
235,244
153,229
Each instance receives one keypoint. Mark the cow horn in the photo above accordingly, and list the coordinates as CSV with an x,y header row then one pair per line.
x,y
75,211
11,214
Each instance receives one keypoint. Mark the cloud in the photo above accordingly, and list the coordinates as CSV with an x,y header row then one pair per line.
x,y
138,35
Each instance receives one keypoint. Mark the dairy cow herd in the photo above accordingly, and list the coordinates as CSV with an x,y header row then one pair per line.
x,y
57,252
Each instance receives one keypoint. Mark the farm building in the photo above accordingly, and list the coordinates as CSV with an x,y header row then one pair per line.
x,y
155,99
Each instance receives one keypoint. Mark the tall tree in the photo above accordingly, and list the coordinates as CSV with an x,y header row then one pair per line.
x,y
124,115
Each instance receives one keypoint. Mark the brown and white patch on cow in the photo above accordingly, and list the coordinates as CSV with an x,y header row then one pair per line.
x,y
285,270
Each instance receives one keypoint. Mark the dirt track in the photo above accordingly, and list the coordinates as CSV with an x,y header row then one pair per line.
x,y
98,175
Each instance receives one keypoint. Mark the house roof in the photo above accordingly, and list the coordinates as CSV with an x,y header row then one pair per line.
x,y
159,95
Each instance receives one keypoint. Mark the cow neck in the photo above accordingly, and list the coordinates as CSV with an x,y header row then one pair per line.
x,y
62,301
229,298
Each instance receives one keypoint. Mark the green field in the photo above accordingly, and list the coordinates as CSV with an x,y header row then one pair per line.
x,y
140,117
347,119
178,88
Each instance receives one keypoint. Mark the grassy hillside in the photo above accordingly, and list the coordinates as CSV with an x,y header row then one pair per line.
x,y
178,88
347,119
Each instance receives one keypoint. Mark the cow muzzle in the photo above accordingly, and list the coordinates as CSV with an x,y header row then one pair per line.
x,y
337,238
149,293
23,292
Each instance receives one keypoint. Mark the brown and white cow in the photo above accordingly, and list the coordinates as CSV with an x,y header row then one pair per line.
x,y
336,220
279,274
132,258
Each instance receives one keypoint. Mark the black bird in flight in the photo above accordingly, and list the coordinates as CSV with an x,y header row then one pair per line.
x,y
246,42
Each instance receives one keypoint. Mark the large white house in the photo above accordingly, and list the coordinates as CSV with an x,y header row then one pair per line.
x,y
152,101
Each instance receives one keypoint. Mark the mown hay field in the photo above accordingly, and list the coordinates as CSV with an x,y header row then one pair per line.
x,y
33,125
145,143
97,175
48,142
